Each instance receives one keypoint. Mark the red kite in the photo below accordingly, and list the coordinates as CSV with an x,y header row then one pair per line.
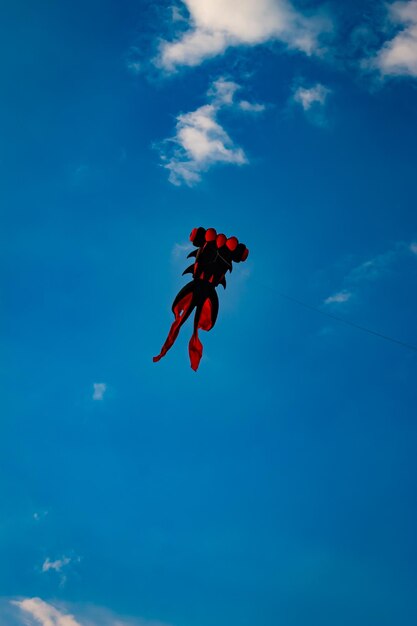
x,y
214,255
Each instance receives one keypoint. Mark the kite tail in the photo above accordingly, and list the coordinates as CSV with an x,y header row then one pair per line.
x,y
195,350
198,294
182,308
205,319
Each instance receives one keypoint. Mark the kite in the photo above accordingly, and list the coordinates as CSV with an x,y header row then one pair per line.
x,y
214,256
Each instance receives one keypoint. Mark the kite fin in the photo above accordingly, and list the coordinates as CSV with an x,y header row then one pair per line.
x,y
203,319
189,270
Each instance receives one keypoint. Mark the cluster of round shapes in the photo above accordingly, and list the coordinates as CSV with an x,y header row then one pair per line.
x,y
201,236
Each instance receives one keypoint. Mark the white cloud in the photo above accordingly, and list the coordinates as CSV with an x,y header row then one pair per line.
x,y
44,613
99,390
39,612
215,25
200,143
313,102
307,97
250,107
222,91
55,565
413,247
398,56
200,140
339,297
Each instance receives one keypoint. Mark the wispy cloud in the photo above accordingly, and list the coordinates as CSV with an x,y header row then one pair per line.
x,y
59,566
371,270
80,174
39,515
252,107
215,26
134,63
222,91
200,141
55,565
375,267
135,67
99,389
398,55
312,100
307,97
181,249
339,297
36,611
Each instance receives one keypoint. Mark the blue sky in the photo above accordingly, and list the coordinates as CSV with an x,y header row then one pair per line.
x,y
278,484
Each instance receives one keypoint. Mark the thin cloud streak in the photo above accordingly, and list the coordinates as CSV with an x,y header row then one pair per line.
x,y
181,249
55,565
371,270
250,107
339,297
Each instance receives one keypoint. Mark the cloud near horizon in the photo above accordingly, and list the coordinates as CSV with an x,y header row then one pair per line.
x,y
43,613
217,25
38,612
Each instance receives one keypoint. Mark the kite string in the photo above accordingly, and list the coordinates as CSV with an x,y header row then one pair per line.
x,y
364,329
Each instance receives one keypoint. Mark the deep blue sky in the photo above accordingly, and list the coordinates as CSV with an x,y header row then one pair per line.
x,y
277,486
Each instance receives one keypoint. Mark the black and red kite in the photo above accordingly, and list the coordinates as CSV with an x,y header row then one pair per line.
x,y
213,259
